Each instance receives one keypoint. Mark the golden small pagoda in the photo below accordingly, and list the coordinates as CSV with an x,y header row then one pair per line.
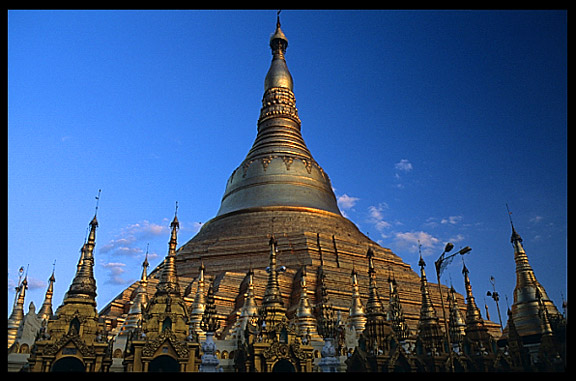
x,y
74,339
163,343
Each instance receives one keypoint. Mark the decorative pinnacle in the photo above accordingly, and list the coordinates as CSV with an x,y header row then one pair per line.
x,y
278,47
97,202
515,235
421,262
272,293
175,224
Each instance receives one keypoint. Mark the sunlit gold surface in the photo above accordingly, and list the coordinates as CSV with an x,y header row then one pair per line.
x,y
279,170
280,190
525,310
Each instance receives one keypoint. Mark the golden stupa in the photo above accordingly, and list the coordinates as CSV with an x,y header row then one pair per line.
x,y
280,191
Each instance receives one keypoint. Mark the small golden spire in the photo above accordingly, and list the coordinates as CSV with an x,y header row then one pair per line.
x,y
327,320
374,306
356,315
456,324
17,316
199,304
145,264
473,316
272,297
395,312
168,277
428,315
525,306
175,226
304,316
139,302
46,310
210,321
84,284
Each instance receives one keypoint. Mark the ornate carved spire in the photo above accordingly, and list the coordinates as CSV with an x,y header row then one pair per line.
x,y
395,312
356,314
168,277
457,324
377,329
145,265
476,332
46,310
210,325
429,329
140,300
304,316
473,317
427,311
374,306
17,315
209,321
525,308
272,298
327,324
272,312
249,310
199,303
83,287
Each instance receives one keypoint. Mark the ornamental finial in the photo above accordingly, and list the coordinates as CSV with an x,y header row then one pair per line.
x,y
278,18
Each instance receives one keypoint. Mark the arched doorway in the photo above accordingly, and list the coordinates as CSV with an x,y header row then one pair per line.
x,y
68,364
401,364
283,366
164,363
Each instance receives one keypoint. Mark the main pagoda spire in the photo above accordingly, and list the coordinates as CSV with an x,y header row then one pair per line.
x,y
279,170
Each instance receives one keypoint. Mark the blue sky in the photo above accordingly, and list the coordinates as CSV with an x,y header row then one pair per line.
x,y
427,122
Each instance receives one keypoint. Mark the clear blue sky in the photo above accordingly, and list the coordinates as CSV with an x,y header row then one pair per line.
x,y
427,123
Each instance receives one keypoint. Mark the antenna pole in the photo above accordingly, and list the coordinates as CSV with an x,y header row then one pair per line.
x,y
509,214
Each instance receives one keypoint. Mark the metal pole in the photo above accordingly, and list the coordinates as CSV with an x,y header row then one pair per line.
x,y
445,321
437,266
496,298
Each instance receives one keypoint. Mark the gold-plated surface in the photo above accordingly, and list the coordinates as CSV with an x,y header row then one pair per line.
x,y
526,310
258,305
279,170
280,190
75,328
278,75
17,315
83,286
164,329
